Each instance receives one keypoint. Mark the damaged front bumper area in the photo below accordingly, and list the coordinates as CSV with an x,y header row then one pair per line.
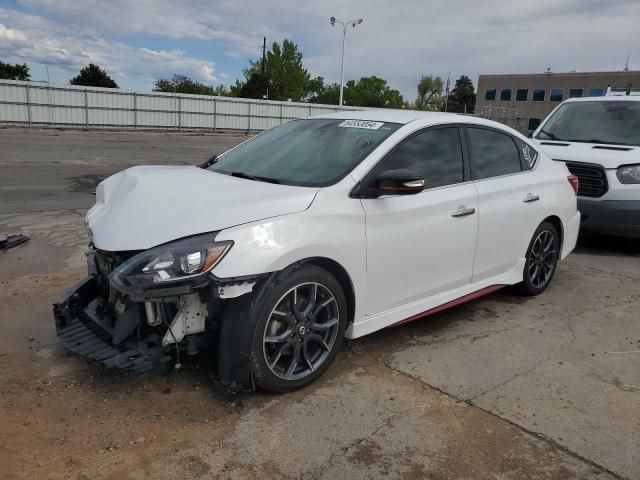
x,y
137,329
85,326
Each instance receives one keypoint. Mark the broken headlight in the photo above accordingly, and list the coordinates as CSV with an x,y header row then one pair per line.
x,y
180,260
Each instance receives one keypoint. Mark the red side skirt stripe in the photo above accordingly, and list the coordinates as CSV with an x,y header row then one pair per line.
x,y
471,296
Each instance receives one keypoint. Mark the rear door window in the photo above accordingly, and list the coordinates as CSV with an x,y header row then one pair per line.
x,y
492,153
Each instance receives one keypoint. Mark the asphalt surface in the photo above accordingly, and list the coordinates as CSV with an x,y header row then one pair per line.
x,y
501,388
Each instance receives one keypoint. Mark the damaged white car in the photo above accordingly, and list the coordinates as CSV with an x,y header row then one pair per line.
x,y
266,257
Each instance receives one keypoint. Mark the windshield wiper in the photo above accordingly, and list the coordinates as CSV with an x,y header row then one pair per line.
x,y
209,162
549,134
254,177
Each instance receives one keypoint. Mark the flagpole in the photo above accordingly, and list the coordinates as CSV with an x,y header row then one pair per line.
x,y
446,93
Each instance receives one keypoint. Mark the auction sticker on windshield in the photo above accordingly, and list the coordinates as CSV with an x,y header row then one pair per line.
x,y
361,124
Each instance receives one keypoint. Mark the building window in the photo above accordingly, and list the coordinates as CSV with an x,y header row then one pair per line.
x,y
575,93
490,94
505,94
556,95
534,123
538,94
596,92
522,94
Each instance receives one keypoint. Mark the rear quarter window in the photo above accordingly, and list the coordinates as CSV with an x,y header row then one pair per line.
x,y
528,154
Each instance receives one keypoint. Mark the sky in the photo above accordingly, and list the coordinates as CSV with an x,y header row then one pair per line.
x,y
140,41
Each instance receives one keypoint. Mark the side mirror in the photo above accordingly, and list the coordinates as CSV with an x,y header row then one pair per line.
x,y
399,182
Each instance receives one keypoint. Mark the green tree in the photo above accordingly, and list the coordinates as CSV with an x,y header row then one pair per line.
x,y
93,76
327,94
14,72
284,75
463,94
184,84
429,93
371,92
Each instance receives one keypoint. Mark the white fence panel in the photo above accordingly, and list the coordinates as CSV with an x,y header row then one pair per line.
x,y
36,103
14,113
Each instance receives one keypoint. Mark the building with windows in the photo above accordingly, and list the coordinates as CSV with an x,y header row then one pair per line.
x,y
523,101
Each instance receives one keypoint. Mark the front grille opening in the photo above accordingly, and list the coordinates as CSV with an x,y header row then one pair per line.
x,y
592,178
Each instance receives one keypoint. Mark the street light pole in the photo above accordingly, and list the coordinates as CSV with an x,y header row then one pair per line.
x,y
353,24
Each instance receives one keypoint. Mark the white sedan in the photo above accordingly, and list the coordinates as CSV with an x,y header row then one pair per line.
x,y
267,256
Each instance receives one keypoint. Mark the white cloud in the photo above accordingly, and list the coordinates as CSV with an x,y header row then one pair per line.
x,y
70,47
11,36
398,40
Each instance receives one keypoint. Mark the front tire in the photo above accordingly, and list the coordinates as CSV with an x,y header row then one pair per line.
x,y
542,258
300,326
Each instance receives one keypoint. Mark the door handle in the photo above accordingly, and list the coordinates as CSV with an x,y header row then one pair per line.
x,y
463,212
531,198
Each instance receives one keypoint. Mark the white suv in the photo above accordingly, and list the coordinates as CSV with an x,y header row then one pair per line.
x,y
266,257
598,138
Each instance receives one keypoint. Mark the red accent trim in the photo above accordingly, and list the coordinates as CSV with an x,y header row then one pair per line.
x,y
471,296
400,188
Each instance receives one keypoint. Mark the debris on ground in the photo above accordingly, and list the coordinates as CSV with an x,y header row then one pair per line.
x,y
10,241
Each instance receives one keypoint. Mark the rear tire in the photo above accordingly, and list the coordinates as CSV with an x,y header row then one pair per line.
x,y
542,258
300,326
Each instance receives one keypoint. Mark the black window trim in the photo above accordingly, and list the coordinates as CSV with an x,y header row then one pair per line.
x,y
523,164
365,183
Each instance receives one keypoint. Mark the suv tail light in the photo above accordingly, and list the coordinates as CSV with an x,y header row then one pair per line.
x,y
575,183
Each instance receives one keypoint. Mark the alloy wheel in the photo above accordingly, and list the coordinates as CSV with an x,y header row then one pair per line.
x,y
301,331
542,259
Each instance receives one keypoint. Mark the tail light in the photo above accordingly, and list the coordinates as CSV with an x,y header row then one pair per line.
x,y
575,183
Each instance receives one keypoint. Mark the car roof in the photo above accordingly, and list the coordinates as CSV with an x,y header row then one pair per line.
x,y
606,98
406,116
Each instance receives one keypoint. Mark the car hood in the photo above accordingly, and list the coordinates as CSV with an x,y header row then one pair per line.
x,y
145,206
609,156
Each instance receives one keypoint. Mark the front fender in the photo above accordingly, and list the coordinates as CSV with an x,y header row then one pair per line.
x,y
333,230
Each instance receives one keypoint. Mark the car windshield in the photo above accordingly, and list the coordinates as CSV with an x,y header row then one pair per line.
x,y
314,152
609,122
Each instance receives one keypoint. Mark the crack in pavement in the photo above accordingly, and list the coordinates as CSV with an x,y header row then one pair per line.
x,y
539,435
506,381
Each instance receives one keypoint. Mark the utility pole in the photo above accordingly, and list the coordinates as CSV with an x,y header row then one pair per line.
x,y
353,24
263,76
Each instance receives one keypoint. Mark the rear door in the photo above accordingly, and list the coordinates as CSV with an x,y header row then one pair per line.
x,y
509,199
423,244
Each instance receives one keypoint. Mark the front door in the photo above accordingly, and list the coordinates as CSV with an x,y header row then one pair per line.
x,y
423,244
